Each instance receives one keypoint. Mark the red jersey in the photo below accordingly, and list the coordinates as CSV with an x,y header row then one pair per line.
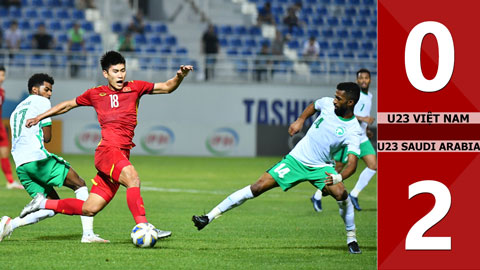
x,y
2,99
116,110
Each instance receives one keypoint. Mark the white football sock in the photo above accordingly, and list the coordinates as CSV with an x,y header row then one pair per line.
x,y
347,214
235,199
87,222
362,182
318,195
31,218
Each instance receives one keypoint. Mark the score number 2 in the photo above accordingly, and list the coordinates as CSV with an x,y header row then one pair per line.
x,y
443,200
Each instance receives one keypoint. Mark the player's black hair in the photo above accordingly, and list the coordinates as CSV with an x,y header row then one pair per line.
x,y
363,70
352,90
2,68
111,58
38,79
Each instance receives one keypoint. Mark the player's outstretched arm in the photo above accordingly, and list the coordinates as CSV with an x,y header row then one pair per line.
x,y
298,124
60,108
172,84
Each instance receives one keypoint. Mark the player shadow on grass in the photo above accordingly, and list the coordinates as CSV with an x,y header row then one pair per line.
x,y
58,237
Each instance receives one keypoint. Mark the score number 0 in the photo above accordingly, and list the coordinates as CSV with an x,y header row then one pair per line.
x,y
446,58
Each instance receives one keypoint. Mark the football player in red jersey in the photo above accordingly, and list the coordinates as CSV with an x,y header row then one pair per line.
x,y
116,107
4,151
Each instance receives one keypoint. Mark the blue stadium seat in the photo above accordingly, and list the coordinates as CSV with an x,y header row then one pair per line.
x,y
68,3
369,2
3,12
67,25
340,2
354,2
365,12
155,40
357,34
223,42
298,32
372,34
318,21
342,33
166,50
62,14
232,52
95,39
348,55
46,13
55,25
246,52
226,30
351,11
363,55
326,2
148,28
171,41
332,21
307,11
255,31
240,30
347,22
15,13
361,22
327,33
352,45
236,42
54,3
24,25
333,54
181,51
367,45
117,27
37,3
373,21
250,43
87,26
313,32
6,24
277,10
324,45
323,11
30,13
78,14
293,44
151,49
62,38
140,39
311,2
337,45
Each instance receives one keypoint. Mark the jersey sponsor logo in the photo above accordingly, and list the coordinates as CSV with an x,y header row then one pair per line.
x,y
340,131
102,94
157,140
222,141
89,137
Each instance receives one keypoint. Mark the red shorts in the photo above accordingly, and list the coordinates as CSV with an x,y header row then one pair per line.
x,y
3,136
109,162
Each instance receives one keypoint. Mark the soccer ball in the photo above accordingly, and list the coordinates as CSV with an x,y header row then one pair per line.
x,y
144,235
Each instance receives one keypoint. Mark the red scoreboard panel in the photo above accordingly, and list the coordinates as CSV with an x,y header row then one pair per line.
x,y
428,134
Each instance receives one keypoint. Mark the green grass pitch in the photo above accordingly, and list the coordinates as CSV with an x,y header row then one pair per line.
x,y
278,230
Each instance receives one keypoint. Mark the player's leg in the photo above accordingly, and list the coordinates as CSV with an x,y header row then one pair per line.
x,y
8,225
264,183
341,159
6,166
367,153
347,213
75,182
